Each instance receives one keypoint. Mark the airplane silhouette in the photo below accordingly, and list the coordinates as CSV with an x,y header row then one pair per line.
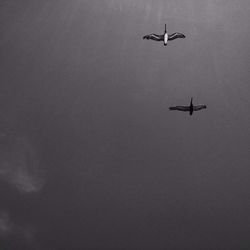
x,y
165,37
191,108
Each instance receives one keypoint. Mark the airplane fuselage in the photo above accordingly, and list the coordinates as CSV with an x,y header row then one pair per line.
x,y
165,38
191,110
191,107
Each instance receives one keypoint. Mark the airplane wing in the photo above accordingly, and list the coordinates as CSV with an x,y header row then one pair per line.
x,y
154,37
176,35
180,108
199,107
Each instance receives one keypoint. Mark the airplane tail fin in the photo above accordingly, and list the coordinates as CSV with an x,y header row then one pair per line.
x,y
165,28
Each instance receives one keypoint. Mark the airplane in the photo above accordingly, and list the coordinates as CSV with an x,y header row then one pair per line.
x,y
191,108
165,37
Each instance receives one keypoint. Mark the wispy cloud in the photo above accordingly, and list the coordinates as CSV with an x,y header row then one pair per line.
x,y
20,166
5,224
13,234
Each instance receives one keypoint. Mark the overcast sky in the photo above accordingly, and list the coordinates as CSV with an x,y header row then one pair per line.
x,y
90,155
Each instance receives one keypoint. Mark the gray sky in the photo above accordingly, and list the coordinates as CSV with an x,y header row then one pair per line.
x,y
90,156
